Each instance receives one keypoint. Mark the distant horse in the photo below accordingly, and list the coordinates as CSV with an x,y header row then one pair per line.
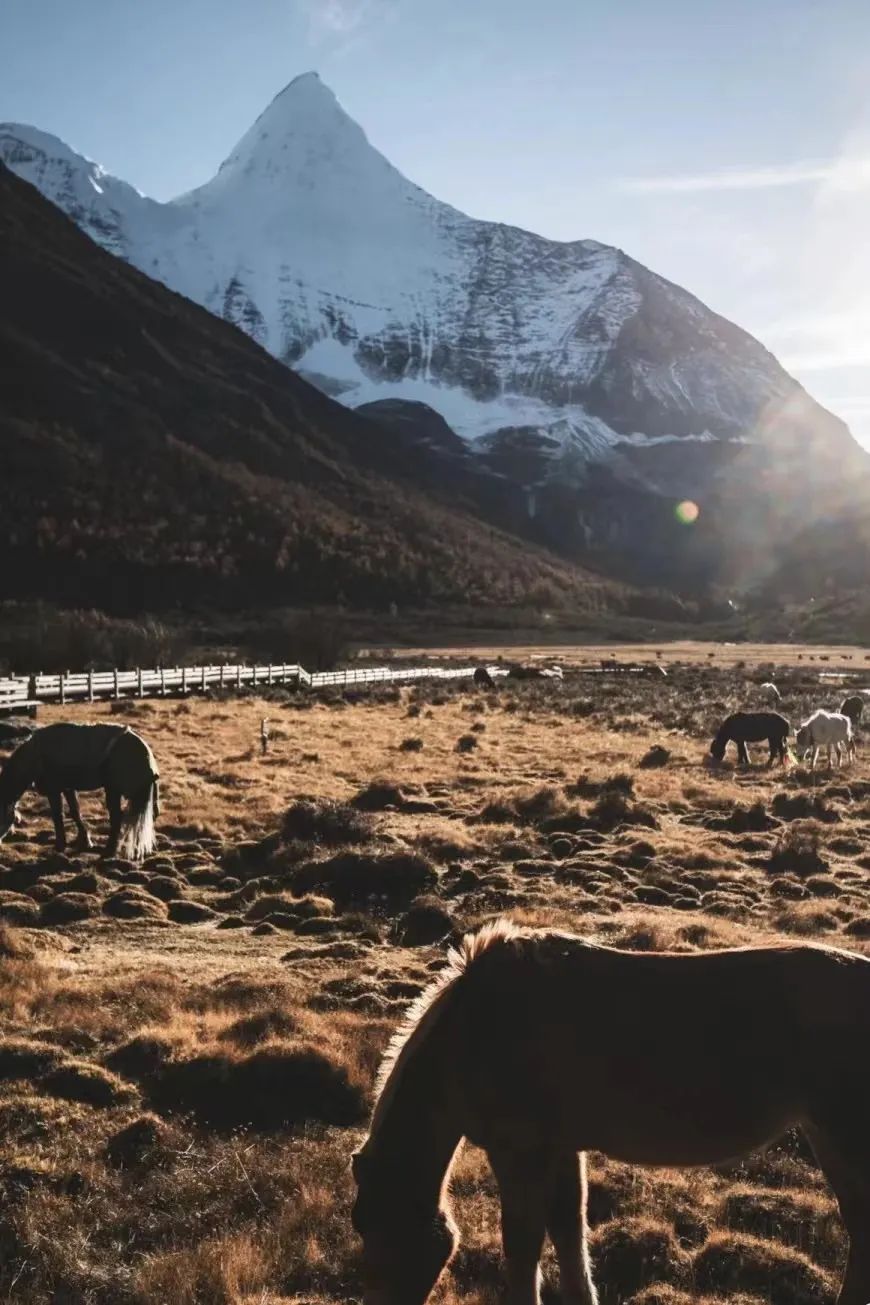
x,y
536,1046
483,678
752,727
62,760
826,729
853,706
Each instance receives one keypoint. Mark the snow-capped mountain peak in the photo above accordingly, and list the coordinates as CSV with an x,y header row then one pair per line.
x,y
312,242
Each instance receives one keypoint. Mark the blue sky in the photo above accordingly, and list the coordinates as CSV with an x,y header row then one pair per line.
x,y
726,145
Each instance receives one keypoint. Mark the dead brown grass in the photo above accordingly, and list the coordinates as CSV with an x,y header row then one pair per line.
x,y
178,1101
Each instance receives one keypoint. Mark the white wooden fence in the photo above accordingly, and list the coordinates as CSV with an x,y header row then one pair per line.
x,y
25,693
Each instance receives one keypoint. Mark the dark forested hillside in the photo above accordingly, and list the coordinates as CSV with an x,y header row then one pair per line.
x,y
152,454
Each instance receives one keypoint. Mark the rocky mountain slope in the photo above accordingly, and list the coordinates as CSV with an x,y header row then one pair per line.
x,y
325,254
153,454
590,395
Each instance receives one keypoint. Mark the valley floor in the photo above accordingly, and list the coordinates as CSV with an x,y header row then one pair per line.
x,y
188,1046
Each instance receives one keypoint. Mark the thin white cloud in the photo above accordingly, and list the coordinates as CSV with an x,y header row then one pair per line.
x,y
341,19
840,174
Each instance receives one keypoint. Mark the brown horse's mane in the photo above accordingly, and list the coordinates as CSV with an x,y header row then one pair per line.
x,y
422,1014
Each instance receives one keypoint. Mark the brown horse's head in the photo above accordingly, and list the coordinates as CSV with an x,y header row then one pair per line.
x,y
406,1244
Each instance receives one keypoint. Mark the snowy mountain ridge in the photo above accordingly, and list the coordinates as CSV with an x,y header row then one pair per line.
x,y
314,244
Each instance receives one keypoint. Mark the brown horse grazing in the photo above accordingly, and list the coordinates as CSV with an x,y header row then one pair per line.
x,y
538,1046
62,760
752,727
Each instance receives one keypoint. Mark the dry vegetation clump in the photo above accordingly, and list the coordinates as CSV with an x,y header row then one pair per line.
x,y
797,850
360,878
276,1087
328,823
777,1273
630,1253
427,920
187,1047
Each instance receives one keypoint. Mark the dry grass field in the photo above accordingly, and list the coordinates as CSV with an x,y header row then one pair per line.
x,y
188,1046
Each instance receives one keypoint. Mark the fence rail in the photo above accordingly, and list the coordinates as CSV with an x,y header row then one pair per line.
x,y
25,693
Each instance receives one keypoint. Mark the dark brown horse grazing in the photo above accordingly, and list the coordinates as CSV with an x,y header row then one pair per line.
x,y
62,760
752,727
538,1046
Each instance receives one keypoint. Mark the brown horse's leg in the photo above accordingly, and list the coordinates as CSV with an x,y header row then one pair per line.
x,y
55,802
846,1167
83,842
566,1224
113,802
524,1185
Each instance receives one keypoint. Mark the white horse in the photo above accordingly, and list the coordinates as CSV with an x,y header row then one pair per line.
x,y
769,692
826,729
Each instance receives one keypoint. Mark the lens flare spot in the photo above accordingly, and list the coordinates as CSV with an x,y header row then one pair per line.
x,y
687,512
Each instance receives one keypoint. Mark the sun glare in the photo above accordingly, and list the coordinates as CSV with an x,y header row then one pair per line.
x,y
687,512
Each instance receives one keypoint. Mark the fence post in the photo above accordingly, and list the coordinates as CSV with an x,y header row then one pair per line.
x,y
162,682
90,686
31,688
270,675
140,686
116,691
202,686
62,688
184,679
223,668
238,676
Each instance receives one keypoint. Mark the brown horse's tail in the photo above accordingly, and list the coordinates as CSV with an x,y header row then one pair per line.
x,y
138,840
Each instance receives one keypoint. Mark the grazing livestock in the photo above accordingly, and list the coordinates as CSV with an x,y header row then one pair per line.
x,y
62,760
537,1046
769,692
826,729
852,707
483,678
752,727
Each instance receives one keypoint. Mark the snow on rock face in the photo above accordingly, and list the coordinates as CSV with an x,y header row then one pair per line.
x,y
313,243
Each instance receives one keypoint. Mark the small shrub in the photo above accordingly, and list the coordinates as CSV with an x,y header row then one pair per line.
x,y
803,806
140,1144
265,1026
277,1087
466,743
89,1084
134,904
628,1254
330,823
783,1276
797,851
66,908
426,921
353,878
613,808
412,744
141,1057
182,911
379,795
621,782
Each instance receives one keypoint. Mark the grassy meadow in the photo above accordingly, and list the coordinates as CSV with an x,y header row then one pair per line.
x,y
187,1047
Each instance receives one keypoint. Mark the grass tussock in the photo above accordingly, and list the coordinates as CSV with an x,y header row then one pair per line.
x,y
327,823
